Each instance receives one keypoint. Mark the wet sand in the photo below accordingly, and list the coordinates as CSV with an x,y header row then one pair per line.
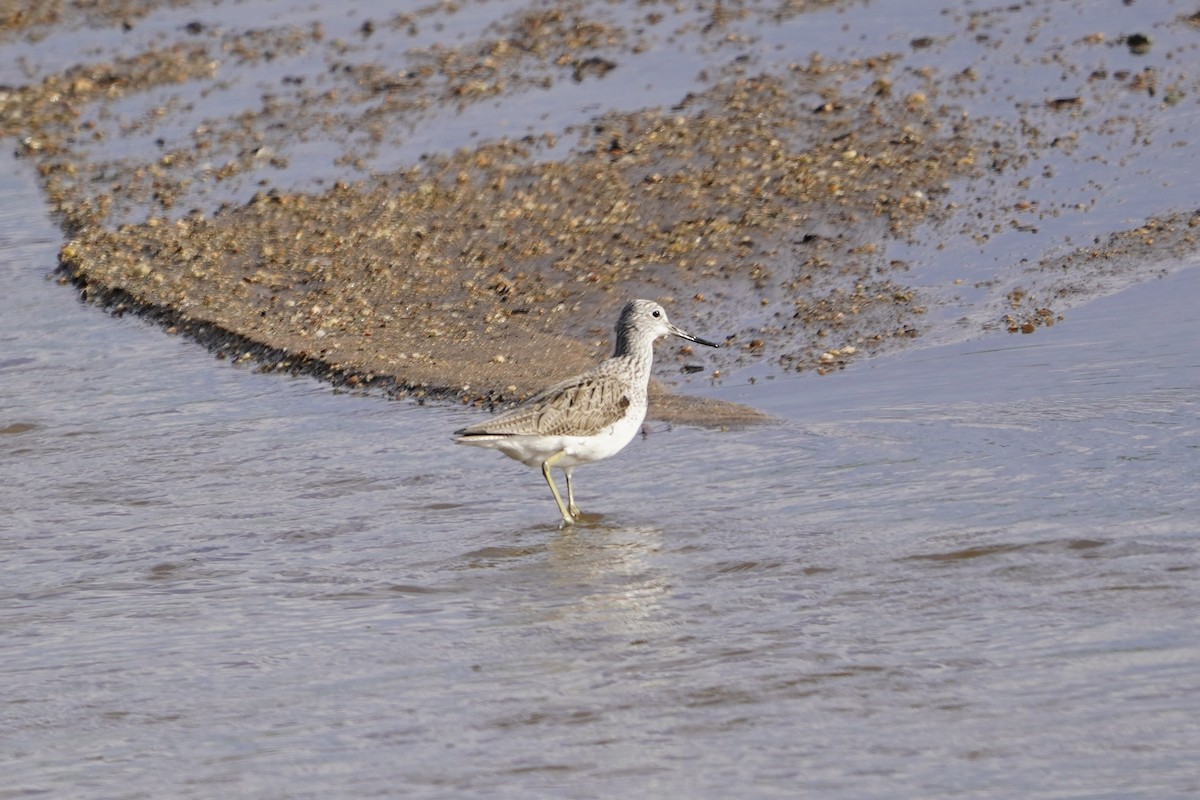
x,y
759,210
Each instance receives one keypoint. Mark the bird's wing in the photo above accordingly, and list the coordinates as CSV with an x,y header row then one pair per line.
x,y
579,406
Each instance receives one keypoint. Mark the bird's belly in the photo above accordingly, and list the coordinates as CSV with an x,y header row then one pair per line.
x,y
532,450
605,444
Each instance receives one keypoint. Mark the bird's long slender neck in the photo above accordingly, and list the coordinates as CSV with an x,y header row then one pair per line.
x,y
636,350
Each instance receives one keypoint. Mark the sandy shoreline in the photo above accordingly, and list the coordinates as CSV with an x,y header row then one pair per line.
x,y
758,210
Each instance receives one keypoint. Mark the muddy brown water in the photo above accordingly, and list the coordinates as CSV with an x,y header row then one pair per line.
x,y
966,569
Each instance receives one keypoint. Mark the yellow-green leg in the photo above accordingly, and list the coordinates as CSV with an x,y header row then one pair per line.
x,y
562,509
571,507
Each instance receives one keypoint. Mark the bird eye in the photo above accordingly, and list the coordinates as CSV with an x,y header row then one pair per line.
x,y
656,314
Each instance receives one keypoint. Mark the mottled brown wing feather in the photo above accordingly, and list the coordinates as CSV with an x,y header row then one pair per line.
x,y
578,407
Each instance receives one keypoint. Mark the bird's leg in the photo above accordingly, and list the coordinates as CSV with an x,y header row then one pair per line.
x,y
546,465
574,509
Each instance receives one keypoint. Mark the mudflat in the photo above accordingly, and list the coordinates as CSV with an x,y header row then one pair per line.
x,y
760,207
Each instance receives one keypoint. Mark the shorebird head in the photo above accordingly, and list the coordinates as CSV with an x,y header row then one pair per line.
x,y
646,318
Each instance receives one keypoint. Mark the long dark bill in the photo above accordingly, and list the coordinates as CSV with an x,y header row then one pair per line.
x,y
682,334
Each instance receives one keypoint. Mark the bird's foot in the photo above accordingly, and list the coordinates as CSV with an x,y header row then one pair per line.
x,y
574,511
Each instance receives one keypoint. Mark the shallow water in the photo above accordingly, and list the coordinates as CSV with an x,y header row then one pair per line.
x,y
966,571
970,570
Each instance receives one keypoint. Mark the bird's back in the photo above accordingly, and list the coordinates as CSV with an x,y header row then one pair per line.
x,y
581,406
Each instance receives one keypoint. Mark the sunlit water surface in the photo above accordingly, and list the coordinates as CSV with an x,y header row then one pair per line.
x,y
966,571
